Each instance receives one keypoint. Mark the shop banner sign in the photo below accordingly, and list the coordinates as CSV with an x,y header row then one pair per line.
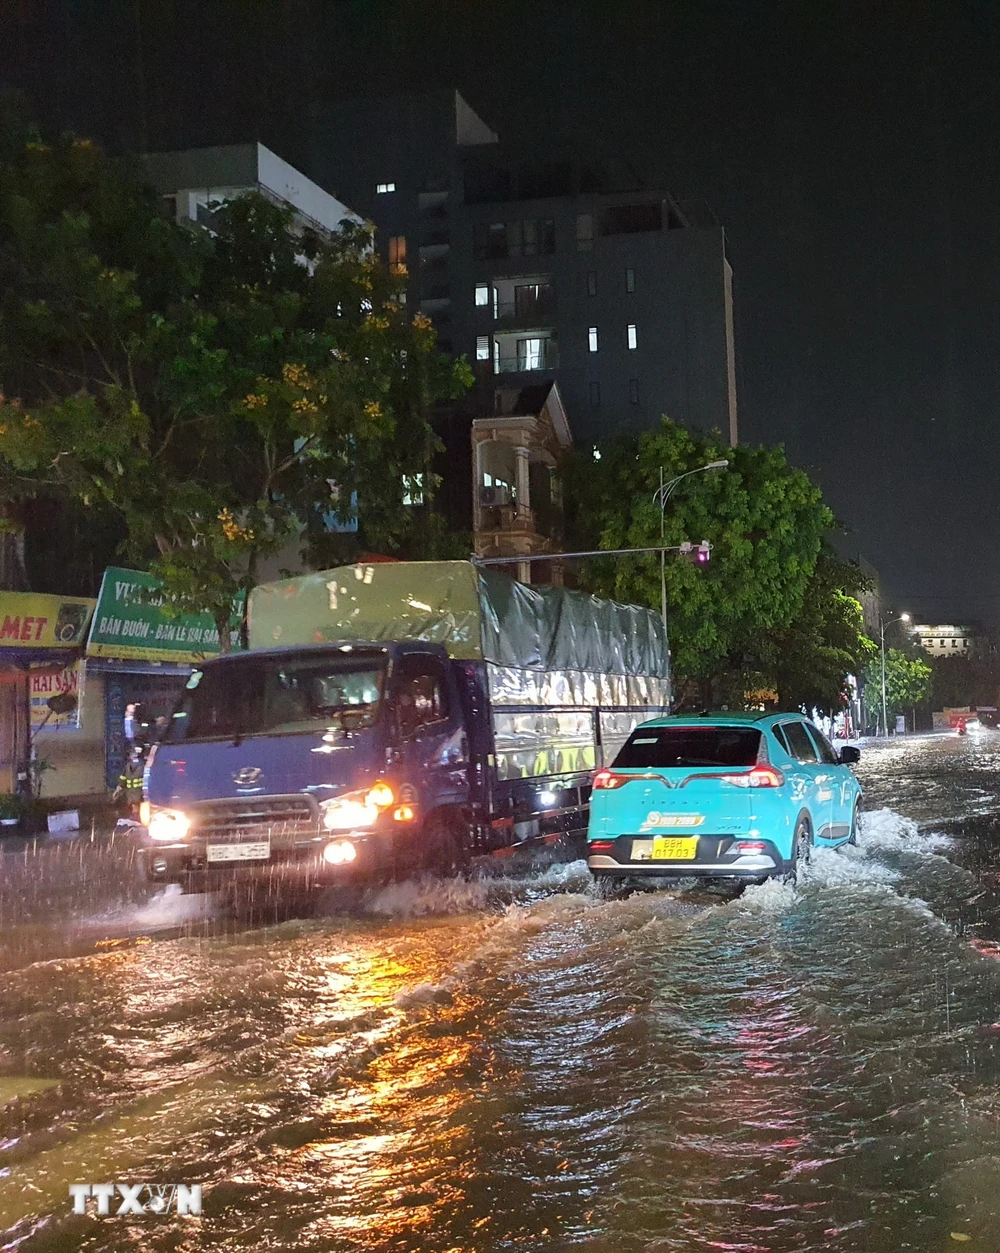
x,y
33,620
44,682
132,623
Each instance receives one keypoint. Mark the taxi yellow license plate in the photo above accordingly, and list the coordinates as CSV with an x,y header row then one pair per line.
x,y
670,848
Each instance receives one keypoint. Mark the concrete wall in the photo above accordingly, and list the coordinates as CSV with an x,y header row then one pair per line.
x,y
301,193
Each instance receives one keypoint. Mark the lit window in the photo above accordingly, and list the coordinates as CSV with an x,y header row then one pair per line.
x,y
592,338
633,339
630,280
584,232
531,354
482,294
382,188
397,251
482,348
595,393
633,391
413,489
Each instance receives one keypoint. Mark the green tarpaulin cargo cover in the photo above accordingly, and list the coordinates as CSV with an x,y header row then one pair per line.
x,y
542,645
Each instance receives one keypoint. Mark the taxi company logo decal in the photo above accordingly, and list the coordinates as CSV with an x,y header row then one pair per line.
x,y
655,819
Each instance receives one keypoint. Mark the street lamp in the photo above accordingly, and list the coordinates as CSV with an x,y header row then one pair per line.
x,y
903,617
660,497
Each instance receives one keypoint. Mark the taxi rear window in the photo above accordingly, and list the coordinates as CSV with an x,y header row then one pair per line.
x,y
667,747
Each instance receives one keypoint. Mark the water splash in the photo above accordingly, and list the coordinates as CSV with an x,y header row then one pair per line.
x,y
884,828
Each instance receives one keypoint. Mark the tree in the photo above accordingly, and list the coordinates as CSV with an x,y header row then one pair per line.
x,y
907,681
813,655
223,392
766,522
953,683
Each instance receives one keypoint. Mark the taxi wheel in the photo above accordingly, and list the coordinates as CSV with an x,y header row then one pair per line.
x,y
801,849
855,820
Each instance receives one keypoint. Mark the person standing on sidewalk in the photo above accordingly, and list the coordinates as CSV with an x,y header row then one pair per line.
x,y
129,786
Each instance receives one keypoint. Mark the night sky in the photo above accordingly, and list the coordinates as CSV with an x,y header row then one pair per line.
x,y
850,150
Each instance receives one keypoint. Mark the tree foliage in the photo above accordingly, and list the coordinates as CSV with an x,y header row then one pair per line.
x,y
907,681
954,683
971,680
825,642
224,392
766,611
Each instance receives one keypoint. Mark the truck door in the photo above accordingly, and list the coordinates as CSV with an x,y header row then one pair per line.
x,y
433,746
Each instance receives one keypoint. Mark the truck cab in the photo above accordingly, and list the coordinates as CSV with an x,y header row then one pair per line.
x,y
332,761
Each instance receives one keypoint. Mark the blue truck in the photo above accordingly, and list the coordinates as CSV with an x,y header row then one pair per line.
x,y
391,717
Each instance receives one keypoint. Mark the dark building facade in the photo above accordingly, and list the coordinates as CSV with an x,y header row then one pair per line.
x,y
541,272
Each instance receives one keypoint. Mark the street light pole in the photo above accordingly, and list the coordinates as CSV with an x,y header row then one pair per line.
x,y
660,497
905,617
663,562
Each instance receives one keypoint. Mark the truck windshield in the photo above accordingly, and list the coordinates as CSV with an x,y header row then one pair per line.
x,y
280,696
665,747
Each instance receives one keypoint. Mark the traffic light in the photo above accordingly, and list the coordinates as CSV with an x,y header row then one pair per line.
x,y
700,554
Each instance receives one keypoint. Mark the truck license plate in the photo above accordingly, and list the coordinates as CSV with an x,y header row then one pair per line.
x,y
259,850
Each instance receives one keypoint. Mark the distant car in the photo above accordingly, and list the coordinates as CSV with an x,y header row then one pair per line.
x,y
722,795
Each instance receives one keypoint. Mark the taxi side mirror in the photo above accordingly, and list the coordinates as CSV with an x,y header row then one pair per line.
x,y
849,755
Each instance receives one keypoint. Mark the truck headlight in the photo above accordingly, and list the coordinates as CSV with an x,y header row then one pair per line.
x,y
356,809
168,824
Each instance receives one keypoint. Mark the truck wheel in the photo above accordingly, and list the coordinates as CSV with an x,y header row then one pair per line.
x,y
447,847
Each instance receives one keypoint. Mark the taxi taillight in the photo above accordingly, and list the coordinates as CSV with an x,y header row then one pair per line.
x,y
759,776
605,781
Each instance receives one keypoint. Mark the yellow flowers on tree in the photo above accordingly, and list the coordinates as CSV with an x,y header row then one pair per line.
x,y
224,397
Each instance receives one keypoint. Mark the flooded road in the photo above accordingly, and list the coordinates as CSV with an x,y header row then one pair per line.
x,y
520,1064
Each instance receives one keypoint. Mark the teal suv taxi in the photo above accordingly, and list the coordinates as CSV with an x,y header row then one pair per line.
x,y
725,795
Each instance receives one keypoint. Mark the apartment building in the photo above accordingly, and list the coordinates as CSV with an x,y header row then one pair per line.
x,y
541,272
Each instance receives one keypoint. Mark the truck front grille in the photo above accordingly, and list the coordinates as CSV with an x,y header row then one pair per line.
x,y
247,815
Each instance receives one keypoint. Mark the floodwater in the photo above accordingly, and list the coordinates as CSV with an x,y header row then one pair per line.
x,y
516,1063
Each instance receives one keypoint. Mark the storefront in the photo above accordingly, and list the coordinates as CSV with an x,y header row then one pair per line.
x,y
143,653
41,641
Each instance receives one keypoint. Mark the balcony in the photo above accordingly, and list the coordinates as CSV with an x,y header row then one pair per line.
x,y
527,361
530,307
435,243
